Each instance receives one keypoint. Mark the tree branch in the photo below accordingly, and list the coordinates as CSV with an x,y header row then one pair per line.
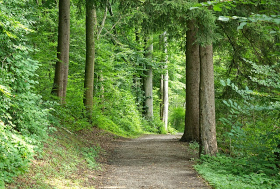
x,y
102,23
112,36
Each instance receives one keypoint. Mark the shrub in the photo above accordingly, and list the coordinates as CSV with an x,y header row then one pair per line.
x,y
177,119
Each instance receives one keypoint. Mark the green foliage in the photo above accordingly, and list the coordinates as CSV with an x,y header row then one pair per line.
x,y
177,119
227,172
15,153
90,155
23,114
153,126
246,58
118,114
107,124
247,130
67,161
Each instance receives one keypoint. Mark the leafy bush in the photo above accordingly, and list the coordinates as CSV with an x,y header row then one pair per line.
x,y
153,126
105,123
15,153
248,132
23,114
90,155
177,119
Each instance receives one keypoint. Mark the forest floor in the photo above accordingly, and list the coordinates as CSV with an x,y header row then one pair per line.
x,y
151,162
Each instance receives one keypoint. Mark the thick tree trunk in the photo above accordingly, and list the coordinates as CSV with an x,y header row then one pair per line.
x,y
164,83
148,83
90,56
207,101
61,67
191,132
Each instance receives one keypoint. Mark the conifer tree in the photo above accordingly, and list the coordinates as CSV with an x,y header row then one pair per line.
x,y
207,122
191,132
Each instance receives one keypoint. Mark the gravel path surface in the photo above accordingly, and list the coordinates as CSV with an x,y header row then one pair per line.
x,y
151,162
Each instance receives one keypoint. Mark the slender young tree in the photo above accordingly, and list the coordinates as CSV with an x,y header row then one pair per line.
x,y
164,82
148,82
191,132
62,64
90,55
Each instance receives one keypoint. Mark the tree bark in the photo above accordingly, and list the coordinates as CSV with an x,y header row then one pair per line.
x,y
207,101
191,132
138,78
62,65
148,82
164,83
90,56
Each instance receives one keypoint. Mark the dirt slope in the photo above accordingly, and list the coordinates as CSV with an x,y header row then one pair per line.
x,y
151,162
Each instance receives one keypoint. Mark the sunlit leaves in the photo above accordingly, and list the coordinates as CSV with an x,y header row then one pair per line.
x,y
21,110
4,90
223,18
242,24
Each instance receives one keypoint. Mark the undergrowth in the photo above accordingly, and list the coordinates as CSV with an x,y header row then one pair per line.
x,y
66,161
226,172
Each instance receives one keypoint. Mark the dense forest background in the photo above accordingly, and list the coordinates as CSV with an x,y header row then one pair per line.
x,y
246,48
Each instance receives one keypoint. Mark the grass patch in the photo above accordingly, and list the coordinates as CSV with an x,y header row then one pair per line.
x,y
223,172
67,161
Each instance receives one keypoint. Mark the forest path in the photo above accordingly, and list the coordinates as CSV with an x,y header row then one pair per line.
x,y
151,162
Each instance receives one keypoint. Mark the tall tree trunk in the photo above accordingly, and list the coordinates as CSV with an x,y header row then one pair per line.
x,y
148,82
62,65
90,56
164,82
161,97
207,123
207,101
191,132
137,77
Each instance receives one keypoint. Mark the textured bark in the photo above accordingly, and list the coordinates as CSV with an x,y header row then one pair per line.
x,y
207,101
148,84
164,83
90,56
62,65
191,132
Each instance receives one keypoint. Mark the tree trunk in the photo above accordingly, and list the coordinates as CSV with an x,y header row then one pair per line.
x,y
137,77
161,97
62,65
148,82
207,101
164,83
191,132
90,56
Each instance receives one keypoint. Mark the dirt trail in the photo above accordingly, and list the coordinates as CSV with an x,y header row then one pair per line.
x,y
151,162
